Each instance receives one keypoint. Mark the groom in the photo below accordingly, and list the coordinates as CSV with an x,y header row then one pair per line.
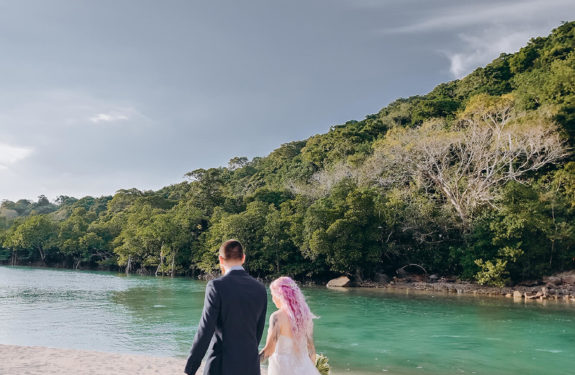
x,y
233,319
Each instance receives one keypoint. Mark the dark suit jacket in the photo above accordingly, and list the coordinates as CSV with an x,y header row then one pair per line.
x,y
232,325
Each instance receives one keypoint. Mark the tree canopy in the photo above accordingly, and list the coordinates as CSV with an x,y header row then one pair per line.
x,y
475,179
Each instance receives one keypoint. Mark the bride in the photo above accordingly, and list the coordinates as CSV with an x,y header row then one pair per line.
x,y
289,344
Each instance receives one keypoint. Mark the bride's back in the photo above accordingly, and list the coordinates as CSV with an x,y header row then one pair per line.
x,y
284,323
290,356
289,345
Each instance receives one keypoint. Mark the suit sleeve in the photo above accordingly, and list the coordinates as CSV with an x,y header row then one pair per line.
x,y
262,318
206,329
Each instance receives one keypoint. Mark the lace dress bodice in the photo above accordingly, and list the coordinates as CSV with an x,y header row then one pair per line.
x,y
285,345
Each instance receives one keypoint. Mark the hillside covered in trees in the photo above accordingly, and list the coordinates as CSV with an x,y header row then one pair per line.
x,y
475,179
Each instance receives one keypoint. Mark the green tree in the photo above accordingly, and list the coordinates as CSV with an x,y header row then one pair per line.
x,y
343,228
35,233
72,234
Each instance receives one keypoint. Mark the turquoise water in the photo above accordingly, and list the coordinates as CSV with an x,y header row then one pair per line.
x,y
361,331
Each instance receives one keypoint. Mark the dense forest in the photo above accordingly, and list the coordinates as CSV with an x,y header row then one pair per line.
x,y
475,179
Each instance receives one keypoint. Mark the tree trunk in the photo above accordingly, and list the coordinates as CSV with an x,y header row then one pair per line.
x,y
174,264
129,265
277,260
161,263
158,268
358,275
554,234
42,254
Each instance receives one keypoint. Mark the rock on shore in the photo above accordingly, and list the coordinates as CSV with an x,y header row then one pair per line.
x,y
556,287
340,282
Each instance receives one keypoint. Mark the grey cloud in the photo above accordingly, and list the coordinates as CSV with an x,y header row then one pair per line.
x,y
481,13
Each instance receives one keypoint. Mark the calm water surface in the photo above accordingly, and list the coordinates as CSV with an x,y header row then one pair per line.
x,y
361,331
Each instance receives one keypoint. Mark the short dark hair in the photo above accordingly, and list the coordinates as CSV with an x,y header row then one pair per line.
x,y
232,250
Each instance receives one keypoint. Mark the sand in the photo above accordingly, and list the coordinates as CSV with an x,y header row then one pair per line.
x,y
35,360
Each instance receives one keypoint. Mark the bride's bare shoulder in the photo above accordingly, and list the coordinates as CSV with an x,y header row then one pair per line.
x,y
279,316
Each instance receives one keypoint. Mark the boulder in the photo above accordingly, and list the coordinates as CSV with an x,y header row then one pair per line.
x,y
530,283
568,279
517,294
339,282
552,280
382,278
417,278
448,279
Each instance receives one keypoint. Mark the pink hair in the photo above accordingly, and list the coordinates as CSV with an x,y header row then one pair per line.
x,y
294,304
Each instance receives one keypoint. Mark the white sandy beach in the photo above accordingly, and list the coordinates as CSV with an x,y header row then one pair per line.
x,y
35,360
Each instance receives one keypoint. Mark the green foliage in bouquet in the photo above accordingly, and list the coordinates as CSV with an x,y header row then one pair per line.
x,y
322,365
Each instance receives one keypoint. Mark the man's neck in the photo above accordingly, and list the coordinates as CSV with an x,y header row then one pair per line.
x,y
232,267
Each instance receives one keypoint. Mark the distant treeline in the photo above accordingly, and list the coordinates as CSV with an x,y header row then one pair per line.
x,y
475,179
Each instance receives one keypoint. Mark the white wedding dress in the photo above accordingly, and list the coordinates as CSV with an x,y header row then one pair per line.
x,y
286,361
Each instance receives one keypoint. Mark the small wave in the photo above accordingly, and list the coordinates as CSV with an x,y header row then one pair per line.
x,y
156,306
550,350
450,336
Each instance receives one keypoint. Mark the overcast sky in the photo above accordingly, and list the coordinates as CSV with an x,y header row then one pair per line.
x,y
101,95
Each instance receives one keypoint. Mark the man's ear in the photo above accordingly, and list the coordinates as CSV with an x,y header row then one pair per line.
x,y
243,258
221,258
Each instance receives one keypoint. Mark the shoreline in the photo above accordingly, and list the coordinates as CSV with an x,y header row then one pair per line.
x,y
559,287
542,291
39,360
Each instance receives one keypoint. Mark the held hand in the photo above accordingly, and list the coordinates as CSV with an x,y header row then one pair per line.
x,y
262,356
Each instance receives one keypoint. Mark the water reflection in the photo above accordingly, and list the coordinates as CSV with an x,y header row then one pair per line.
x,y
369,331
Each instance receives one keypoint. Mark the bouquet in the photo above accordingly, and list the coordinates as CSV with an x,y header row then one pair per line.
x,y
322,365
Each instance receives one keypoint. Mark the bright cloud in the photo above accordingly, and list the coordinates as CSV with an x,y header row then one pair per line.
x,y
479,50
475,33
109,117
58,109
11,154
